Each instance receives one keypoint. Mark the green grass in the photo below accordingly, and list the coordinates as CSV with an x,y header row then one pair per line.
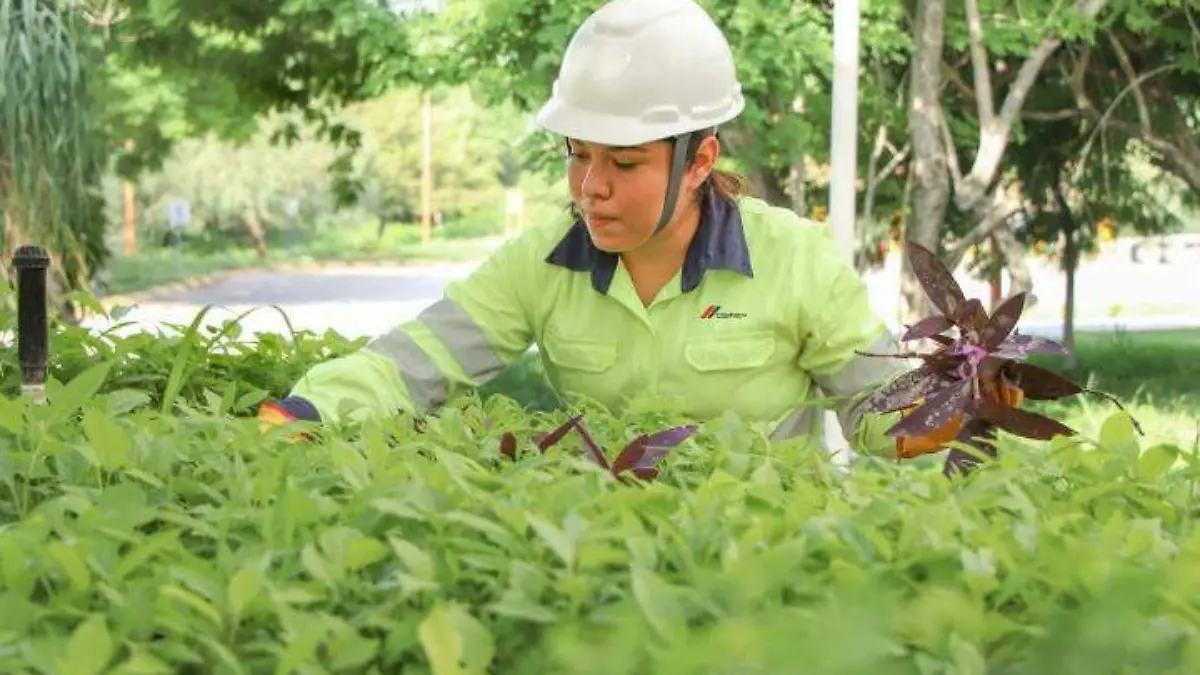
x,y
1155,375
1157,367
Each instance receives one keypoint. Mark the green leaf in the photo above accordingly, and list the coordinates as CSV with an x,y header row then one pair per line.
x,y
659,604
71,563
111,446
1118,435
12,414
89,649
1156,460
455,642
79,390
419,563
142,663
967,659
556,539
245,586
349,650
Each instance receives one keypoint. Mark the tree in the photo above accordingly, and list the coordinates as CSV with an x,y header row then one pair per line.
x,y
51,155
1139,82
1067,197
177,69
978,192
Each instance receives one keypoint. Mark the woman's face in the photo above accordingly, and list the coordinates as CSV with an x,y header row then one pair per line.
x,y
619,191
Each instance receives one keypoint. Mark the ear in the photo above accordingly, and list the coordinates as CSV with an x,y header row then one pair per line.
x,y
705,161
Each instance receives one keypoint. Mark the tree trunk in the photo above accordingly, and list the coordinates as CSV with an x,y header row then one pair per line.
x,y
130,213
995,274
1017,265
931,182
797,184
1070,265
770,187
258,237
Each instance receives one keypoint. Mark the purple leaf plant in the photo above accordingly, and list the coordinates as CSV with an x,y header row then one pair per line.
x,y
641,456
976,377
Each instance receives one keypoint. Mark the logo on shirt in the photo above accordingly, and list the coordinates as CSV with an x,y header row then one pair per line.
x,y
714,312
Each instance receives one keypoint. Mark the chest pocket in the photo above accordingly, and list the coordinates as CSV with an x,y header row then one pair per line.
x,y
579,353
731,352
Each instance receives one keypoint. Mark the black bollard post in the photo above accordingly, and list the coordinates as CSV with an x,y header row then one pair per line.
x,y
33,344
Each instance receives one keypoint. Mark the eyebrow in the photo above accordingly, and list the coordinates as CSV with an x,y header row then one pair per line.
x,y
613,148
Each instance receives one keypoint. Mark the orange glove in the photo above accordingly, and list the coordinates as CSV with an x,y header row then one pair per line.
x,y
276,413
908,447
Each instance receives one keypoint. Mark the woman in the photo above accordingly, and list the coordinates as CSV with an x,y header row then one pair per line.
x,y
668,281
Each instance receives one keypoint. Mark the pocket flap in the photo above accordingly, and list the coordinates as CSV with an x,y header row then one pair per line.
x,y
730,353
583,354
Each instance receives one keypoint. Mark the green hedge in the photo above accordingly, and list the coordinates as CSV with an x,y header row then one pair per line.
x,y
148,525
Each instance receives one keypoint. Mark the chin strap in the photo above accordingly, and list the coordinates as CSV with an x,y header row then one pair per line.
x,y
678,162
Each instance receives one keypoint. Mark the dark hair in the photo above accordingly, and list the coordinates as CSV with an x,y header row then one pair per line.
x,y
724,183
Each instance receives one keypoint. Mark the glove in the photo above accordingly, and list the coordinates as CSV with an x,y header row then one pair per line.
x,y
908,447
276,413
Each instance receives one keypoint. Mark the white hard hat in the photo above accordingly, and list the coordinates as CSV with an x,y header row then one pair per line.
x,y
643,70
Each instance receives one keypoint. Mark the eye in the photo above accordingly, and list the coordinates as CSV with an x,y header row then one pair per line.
x,y
625,164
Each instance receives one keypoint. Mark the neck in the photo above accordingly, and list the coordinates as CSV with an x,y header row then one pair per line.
x,y
654,263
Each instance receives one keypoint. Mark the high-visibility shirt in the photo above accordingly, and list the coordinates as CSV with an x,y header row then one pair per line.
x,y
763,317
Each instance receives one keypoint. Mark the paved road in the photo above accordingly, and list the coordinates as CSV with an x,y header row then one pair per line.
x,y
368,301
352,301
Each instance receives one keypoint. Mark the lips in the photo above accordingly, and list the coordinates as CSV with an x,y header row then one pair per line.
x,y
597,220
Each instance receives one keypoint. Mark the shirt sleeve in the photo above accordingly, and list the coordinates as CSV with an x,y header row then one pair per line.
x,y
481,324
839,322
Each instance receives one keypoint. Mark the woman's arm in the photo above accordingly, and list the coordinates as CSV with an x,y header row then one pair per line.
x,y
837,317
463,340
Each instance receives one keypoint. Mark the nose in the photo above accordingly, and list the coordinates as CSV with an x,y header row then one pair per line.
x,y
595,183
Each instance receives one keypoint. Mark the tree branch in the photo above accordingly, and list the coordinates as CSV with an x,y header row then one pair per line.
x,y
1102,120
951,153
979,65
1050,115
997,217
888,168
993,140
1127,68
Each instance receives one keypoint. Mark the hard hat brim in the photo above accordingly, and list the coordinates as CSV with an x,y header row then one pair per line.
x,y
595,127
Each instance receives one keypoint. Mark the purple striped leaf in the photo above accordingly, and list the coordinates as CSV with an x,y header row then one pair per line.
x,y
1040,384
1022,422
548,440
905,390
927,328
1003,321
972,317
936,411
593,449
937,281
508,445
644,452
1019,346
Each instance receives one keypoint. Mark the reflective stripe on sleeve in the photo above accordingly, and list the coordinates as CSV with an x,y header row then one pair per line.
x,y
426,384
463,339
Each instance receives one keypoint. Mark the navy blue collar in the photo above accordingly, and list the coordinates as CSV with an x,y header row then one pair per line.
x,y
719,243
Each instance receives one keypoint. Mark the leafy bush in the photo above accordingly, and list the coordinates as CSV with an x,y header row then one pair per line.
x,y
149,525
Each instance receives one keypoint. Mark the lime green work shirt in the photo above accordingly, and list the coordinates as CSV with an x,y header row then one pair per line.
x,y
762,312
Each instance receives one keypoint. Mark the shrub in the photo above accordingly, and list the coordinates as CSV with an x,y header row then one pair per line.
x,y
148,525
